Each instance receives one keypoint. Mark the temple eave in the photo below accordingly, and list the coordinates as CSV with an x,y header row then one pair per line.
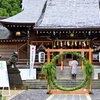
x,y
18,23
67,28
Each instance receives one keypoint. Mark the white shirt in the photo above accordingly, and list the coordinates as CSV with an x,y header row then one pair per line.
x,y
74,67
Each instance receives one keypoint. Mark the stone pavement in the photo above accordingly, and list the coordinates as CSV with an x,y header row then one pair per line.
x,y
12,92
69,97
32,94
95,94
41,94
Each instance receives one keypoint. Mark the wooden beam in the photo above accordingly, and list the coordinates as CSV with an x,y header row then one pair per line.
x,y
70,92
74,40
71,50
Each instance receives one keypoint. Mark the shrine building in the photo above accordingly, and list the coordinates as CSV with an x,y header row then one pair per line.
x,y
53,26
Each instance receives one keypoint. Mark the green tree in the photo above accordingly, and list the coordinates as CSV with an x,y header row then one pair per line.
x,y
10,7
3,12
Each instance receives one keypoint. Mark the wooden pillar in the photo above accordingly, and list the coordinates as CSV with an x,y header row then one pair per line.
x,y
90,55
28,49
48,61
48,56
90,60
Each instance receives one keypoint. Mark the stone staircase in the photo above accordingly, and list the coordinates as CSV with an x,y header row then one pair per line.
x,y
42,84
66,73
63,78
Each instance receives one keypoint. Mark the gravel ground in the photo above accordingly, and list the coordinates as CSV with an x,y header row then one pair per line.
x,y
41,94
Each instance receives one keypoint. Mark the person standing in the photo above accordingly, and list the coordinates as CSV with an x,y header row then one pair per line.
x,y
74,65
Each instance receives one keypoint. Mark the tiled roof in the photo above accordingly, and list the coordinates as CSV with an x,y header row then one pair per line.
x,y
71,14
59,14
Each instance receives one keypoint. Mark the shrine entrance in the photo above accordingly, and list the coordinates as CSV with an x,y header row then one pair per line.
x,y
62,63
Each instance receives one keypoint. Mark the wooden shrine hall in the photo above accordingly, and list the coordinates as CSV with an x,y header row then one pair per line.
x,y
54,26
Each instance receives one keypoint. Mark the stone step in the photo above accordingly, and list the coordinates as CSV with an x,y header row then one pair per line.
x,y
63,83
66,73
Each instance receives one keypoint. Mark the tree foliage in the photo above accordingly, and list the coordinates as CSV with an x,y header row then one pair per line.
x,y
10,7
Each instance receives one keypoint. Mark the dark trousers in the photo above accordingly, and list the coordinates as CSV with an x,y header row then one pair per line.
x,y
73,76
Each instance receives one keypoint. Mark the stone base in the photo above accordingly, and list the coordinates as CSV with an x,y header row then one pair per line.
x,y
15,80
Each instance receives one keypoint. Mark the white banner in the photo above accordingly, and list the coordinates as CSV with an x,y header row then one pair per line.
x,y
32,57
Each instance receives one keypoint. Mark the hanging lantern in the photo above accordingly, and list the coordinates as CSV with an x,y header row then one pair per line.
x,y
61,44
66,31
54,44
72,43
95,31
64,42
68,43
37,32
18,33
57,43
71,34
89,32
84,44
54,33
80,43
41,57
75,43
60,34
87,42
